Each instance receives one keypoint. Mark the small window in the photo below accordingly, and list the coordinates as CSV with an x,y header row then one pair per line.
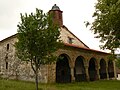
x,y
7,47
6,57
0,68
70,40
6,65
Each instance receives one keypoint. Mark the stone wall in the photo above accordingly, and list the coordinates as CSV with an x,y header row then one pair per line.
x,y
13,68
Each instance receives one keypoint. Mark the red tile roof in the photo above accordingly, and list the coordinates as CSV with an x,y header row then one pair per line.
x,y
76,46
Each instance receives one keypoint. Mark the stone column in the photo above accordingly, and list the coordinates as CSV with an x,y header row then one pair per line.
x,y
72,66
72,75
107,71
114,66
87,74
98,73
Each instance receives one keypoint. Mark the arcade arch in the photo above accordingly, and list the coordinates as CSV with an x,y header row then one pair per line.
x,y
79,70
102,71
110,69
63,73
92,69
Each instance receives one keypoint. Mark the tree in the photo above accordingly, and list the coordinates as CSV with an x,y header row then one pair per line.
x,y
38,38
106,23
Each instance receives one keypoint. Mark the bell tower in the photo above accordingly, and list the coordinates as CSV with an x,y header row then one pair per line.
x,y
57,15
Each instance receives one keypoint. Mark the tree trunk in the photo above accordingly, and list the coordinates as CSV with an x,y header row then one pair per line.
x,y
36,78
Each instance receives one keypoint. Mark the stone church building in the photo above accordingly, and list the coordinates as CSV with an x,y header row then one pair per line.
x,y
80,63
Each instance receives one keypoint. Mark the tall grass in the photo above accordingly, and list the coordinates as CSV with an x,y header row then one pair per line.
x,y
95,85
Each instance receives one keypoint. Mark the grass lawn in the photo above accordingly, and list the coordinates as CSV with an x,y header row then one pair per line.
x,y
95,85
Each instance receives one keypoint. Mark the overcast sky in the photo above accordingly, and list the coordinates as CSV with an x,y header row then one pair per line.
x,y
75,12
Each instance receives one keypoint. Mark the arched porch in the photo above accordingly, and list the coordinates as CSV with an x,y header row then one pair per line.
x,y
92,69
63,72
110,69
79,70
102,71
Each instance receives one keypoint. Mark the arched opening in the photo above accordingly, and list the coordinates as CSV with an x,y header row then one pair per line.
x,y
63,74
102,70
92,70
79,70
110,69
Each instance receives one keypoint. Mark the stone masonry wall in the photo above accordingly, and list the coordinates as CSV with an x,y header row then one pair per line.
x,y
13,68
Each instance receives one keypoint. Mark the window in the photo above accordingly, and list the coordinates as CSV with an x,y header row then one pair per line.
x,y
6,65
70,40
0,68
6,57
7,47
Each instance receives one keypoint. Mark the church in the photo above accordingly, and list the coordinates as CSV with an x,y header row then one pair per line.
x,y
80,63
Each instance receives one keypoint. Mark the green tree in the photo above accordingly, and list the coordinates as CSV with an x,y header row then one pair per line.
x,y
106,23
38,38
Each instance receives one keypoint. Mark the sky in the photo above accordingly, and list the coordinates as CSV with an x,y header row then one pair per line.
x,y
75,13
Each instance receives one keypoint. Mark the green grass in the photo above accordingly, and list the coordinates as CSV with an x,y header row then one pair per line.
x,y
96,85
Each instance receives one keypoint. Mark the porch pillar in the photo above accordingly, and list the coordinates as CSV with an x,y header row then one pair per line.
x,y
72,74
98,73
114,66
107,71
87,73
